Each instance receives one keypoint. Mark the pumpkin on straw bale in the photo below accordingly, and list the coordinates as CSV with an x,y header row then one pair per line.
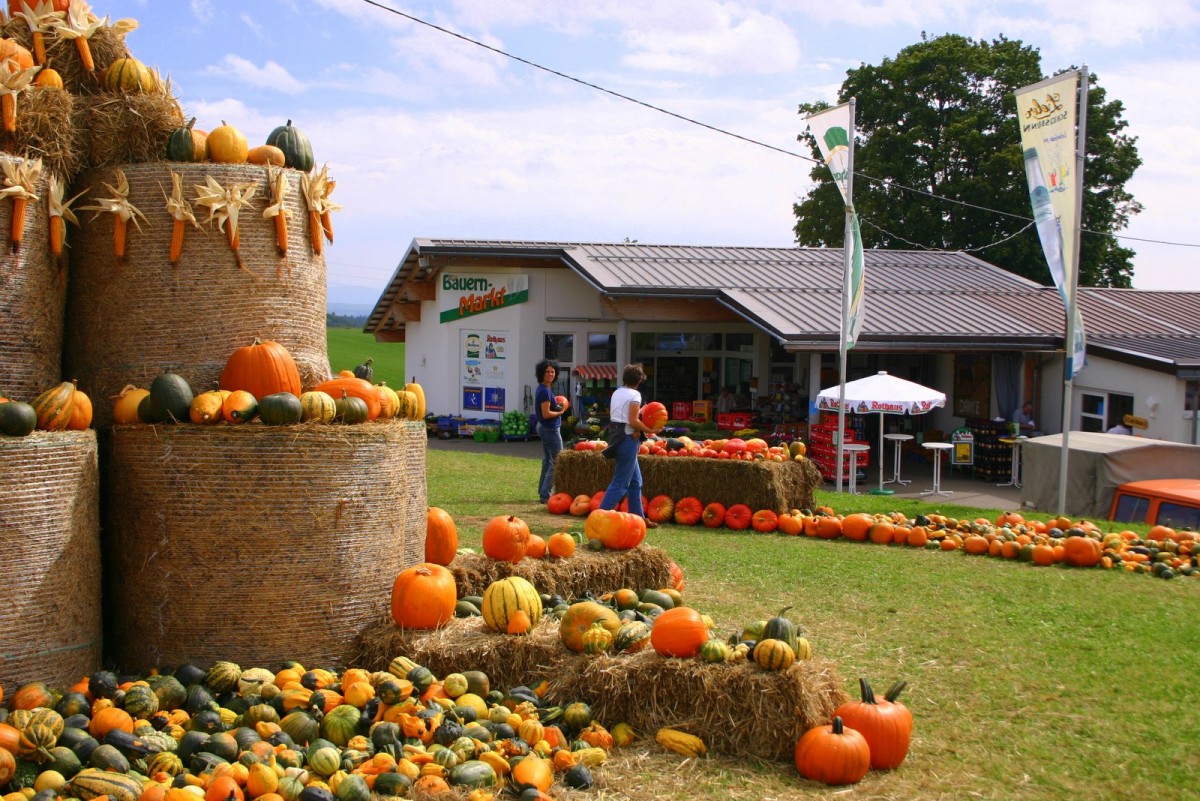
x,y
585,571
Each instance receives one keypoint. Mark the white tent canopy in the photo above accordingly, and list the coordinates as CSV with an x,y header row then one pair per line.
x,y
885,394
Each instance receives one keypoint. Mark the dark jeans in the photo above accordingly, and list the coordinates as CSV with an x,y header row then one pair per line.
x,y
627,478
551,445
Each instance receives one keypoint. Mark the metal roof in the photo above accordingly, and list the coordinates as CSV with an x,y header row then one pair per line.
x,y
915,300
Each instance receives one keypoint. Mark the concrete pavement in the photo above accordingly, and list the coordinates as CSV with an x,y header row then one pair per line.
x,y
964,489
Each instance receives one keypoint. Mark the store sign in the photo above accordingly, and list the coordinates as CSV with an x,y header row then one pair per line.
x,y
466,295
1135,422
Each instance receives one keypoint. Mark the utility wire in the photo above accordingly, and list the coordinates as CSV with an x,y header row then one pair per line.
x,y
692,121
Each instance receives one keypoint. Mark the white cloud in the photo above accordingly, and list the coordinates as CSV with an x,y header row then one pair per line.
x,y
269,76
715,43
202,10
252,24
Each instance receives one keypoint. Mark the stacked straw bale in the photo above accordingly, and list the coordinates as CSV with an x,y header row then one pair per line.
x,y
258,544
50,538
130,320
584,572
779,486
738,710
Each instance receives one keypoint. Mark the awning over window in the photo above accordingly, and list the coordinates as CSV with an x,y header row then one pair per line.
x,y
596,371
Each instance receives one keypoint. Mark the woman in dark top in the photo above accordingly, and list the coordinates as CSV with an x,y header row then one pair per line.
x,y
549,425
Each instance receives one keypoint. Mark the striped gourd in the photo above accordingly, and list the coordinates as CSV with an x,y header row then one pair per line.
x,y
714,651
129,75
389,401
93,782
803,648
316,405
406,405
53,407
48,717
400,666
633,636
774,655
419,393
504,597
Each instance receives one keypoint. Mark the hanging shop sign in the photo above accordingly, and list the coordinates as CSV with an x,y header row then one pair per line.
x,y
464,295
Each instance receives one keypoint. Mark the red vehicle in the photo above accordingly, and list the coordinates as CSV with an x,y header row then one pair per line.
x,y
1173,502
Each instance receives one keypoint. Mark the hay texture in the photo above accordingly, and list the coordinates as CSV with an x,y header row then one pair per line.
x,y
584,572
107,45
779,486
46,130
33,292
118,128
50,540
131,319
738,710
257,544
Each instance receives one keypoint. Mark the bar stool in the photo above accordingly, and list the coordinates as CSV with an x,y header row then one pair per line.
x,y
1014,476
899,439
852,450
937,448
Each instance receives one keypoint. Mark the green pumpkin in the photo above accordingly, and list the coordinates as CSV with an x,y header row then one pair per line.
x,y
577,715
280,409
107,757
351,410
353,787
180,144
365,371
341,724
657,598
17,419
301,727
63,760
421,677
472,773
290,787
297,150
140,702
223,676
324,761
170,399
392,784
781,628
714,651
171,693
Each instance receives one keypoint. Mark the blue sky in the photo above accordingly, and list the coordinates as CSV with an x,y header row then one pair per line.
x,y
429,136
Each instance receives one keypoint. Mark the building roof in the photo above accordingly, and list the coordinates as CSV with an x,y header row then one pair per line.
x,y
915,300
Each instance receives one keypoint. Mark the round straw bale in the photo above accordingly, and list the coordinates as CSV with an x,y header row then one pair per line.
x,y
33,291
107,45
131,319
257,544
50,538
584,572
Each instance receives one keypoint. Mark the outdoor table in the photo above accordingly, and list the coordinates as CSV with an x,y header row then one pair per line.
x,y
899,440
937,448
852,449
1015,443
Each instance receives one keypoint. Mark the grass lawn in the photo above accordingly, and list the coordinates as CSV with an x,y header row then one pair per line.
x,y
350,347
1024,682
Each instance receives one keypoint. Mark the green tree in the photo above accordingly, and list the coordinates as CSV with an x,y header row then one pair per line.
x,y
941,118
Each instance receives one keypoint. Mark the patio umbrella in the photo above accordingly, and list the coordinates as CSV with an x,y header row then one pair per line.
x,y
885,394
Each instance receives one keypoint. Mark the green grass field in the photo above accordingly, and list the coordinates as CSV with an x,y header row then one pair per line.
x,y
349,347
1025,682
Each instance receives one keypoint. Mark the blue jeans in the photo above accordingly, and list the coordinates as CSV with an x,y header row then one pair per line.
x,y
551,445
627,479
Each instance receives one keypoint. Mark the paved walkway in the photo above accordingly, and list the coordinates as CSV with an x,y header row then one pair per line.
x,y
966,490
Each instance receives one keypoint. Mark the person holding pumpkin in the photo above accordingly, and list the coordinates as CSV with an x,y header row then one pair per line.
x,y
549,424
625,408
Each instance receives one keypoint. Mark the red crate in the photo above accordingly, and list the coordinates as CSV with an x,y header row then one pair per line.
x,y
732,421
681,410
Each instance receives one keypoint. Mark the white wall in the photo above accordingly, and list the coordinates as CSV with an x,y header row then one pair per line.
x,y
1166,422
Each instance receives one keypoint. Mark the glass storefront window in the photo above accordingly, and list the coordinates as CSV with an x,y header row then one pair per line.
x,y
560,348
740,342
602,348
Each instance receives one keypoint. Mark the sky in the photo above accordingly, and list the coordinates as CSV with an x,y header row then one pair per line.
x,y
428,135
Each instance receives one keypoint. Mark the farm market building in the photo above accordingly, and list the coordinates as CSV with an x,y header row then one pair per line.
x,y
476,316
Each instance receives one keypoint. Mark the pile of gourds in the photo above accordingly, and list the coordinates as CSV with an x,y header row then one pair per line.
x,y
262,381
63,407
292,735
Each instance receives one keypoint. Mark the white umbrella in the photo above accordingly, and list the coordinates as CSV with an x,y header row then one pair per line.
x,y
885,394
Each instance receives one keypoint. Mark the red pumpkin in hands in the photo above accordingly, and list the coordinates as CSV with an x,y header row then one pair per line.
x,y
654,415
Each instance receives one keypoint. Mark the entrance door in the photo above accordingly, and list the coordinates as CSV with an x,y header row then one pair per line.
x,y
676,378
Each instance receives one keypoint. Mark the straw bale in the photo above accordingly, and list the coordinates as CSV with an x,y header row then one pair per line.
x,y
46,130
50,538
737,710
117,128
584,572
257,544
33,293
130,320
107,45
779,486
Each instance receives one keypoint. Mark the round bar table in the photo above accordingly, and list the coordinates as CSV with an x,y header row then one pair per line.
x,y
937,449
852,449
899,439
1014,476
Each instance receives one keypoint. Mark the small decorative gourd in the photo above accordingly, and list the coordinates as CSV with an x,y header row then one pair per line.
x,y
597,639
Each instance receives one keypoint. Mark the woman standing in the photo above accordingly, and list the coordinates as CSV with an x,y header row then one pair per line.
x,y
624,407
549,425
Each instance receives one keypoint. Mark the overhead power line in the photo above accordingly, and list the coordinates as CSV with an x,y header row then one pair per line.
x,y
747,139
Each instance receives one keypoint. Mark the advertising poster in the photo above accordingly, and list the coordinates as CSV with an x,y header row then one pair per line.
x,y
472,399
483,370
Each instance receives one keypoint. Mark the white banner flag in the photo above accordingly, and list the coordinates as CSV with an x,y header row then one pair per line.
x,y
1047,112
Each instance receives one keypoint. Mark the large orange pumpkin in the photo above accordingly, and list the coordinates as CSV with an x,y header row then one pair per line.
x,y
355,388
579,617
506,538
423,597
679,632
441,536
262,369
1082,551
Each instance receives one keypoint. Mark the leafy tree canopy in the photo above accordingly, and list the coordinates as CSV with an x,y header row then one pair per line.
x,y
941,118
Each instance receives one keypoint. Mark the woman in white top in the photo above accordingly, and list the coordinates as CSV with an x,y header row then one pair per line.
x,y
624,407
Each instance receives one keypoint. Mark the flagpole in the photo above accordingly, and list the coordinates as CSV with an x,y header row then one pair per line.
x,y
1069,366
847,251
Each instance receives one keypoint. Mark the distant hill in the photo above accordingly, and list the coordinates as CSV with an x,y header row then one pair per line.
x,y
345,320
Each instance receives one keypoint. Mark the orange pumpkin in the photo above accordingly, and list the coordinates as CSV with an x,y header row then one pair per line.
x,y
81,412
441,536
224,788
1082,551
536,547
31,696
423,597
11,50
107,720
262,369
855,526
975,545
561,544
356,388
533,771
679,632
506,539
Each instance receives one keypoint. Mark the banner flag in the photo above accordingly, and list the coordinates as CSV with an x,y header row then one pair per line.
x,y
1047,112
833,130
